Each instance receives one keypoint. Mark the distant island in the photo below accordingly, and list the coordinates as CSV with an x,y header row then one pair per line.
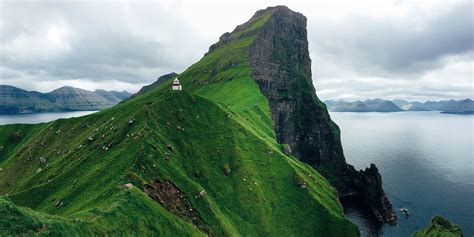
x,y
380,105
14,100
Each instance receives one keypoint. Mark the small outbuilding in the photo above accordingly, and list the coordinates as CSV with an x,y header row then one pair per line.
x,y
176,86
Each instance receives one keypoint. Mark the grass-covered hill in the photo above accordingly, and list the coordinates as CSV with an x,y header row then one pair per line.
x,y
439,227
203,161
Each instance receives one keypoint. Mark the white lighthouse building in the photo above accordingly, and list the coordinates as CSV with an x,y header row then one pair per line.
x,y
176,86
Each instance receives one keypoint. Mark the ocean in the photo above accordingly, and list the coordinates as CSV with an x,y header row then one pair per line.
x,y
426,160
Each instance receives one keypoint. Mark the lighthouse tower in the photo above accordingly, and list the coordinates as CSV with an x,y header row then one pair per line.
x,y
176,86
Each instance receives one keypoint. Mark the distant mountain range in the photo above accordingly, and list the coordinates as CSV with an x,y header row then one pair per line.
x,y
14,100
379,105
375,105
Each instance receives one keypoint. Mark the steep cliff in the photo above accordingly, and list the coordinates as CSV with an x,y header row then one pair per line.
x,y
281,66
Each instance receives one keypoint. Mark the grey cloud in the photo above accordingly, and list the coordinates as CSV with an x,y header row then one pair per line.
x,y
129,44
106,41
388,47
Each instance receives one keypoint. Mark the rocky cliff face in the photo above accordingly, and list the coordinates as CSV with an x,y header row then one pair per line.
x,y
281,66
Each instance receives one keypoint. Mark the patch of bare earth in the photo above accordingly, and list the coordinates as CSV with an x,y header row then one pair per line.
x,y
175,201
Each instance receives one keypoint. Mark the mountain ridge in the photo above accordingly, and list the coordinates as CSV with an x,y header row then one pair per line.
x,y
460,107
380,105
15,100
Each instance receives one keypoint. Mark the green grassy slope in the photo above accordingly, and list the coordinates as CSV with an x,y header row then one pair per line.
x,y
70,172
130,213
260,196
223,76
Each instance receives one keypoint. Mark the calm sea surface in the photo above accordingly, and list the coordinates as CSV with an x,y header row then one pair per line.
x,y
426,160
40,117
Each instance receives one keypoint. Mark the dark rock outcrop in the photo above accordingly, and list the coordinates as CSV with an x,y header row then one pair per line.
x,y
175,201
373,195
281,66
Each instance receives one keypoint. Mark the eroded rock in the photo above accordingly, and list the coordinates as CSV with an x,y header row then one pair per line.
x,y
127,186
200,194
227,170
59,203
175,201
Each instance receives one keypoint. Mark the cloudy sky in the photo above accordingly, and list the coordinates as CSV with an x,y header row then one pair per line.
x,y
360,49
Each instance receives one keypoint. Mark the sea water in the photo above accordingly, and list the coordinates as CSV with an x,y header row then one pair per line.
x,y
39,117
426,160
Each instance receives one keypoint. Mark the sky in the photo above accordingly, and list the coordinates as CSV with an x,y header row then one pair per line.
x,y
415,50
